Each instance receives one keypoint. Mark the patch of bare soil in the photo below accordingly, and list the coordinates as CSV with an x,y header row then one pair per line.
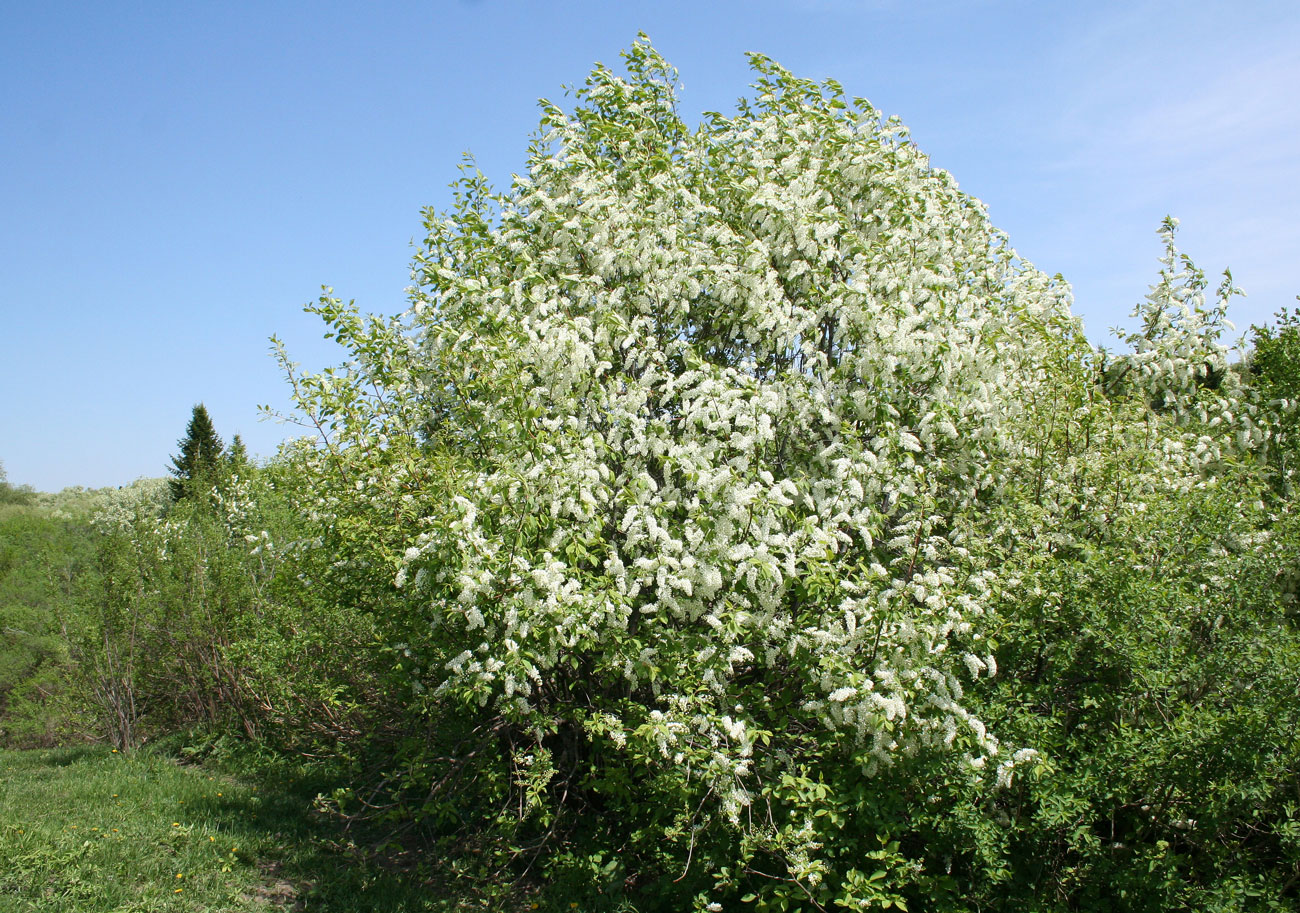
x,y
277,892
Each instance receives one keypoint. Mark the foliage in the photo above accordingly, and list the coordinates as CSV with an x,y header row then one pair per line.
x,y
10,494
50,559
722,446
1275,370
1154,669
41,559
156,636
83,504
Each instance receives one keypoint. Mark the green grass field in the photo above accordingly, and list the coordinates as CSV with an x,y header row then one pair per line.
x,y
89,830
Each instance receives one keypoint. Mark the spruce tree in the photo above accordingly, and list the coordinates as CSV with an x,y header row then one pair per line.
x,y
201,455
237,454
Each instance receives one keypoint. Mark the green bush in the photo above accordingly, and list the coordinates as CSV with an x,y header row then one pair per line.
x,y
41,560
718,470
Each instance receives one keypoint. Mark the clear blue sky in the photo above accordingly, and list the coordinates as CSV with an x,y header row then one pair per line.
x,y
177,179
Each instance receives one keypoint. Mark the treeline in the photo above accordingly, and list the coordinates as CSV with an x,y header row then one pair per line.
x,y
732,521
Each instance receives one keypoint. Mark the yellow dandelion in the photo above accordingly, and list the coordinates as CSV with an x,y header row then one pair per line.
x,y
212,839
180,874
218,794
176,824
178,890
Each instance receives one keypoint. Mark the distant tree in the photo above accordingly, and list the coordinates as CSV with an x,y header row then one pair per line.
x,y
237,454
10,494
201,455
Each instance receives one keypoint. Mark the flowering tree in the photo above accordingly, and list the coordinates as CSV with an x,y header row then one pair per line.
x,y
710,450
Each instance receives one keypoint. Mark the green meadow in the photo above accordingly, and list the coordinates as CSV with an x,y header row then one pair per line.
x,y
94,830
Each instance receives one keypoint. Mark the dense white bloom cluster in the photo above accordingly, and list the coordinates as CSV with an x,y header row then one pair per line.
x,y
735,397
727,419
1178,364
119,508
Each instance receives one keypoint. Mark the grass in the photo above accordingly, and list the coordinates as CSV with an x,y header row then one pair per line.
x,y
90,830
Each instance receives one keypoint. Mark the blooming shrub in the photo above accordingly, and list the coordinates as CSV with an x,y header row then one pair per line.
x,y
702,457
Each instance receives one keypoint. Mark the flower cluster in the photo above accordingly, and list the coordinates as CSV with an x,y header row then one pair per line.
x,y
730,402
717,447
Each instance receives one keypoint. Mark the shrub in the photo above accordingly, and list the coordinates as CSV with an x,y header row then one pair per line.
x,y
709,463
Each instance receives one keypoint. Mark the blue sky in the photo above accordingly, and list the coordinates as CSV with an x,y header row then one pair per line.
x,y
176,180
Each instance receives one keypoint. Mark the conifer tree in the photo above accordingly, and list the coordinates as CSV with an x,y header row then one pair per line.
x,y
237,454
200,457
